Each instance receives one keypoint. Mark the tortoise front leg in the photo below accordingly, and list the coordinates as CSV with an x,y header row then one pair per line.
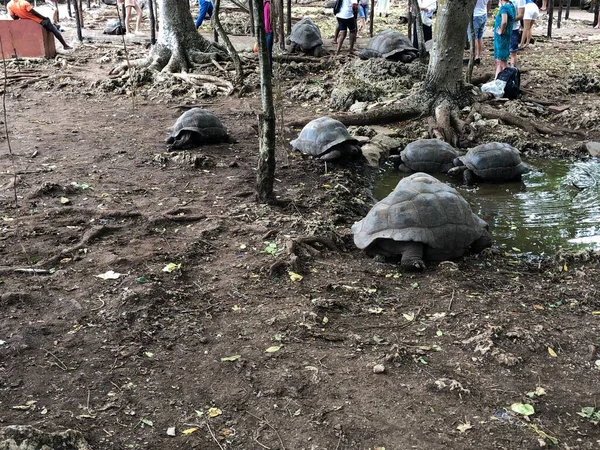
x,y
412,256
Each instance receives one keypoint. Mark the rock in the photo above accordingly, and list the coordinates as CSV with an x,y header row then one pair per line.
x,y
342,98
386,142
24,437
358,107
171,431
384,130
378,368
593,148
374,154
362,140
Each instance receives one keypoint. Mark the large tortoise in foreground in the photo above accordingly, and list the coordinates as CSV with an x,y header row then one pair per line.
x,y
494,161
195,127
327,139
422,219
390,44
306,37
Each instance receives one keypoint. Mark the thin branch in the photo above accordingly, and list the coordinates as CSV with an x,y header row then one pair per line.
x,y
6,123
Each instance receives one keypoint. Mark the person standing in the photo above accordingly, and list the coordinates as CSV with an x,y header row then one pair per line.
x,y
519,6
502,31
268,30
22,9
363,14
383,7
479,21
346,19
427,9
130,5
532,12
206,9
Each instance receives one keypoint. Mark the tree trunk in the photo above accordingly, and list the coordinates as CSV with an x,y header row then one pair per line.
x,y
237,62
152,22
419,30
550,17
280,26
265,177
178,45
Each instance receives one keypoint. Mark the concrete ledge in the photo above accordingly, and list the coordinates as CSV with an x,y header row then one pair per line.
x,y
26,39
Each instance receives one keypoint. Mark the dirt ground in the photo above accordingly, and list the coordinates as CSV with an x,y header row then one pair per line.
x,y
196,334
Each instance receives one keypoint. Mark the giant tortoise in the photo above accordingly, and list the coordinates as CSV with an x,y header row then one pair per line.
x,y
428,155
195,127
327,139
390,44
306,37
421,219
494,161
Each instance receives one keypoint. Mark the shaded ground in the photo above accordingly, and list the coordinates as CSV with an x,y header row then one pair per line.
x,y
123,360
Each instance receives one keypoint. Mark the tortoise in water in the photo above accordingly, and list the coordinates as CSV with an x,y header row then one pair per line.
x,y
195,127
306,37
428,155
421,219
327,139
494,161
390,44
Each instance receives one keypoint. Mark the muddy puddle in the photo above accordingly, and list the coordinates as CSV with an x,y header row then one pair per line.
x,y
555,206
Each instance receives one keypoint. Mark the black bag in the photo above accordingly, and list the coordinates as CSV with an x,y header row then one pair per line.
x,y
512,76
337,6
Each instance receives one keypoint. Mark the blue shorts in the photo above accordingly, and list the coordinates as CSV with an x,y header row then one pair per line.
x,y
479,26
514,41
363,11
347,24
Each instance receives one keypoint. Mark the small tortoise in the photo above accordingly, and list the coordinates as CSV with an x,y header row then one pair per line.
x,y
421,219
428,155
195,127
327,139
493,161
390,44
306,37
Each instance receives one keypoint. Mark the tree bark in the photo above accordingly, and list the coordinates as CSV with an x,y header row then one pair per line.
x,y
237,62
419,28
178,45
265,177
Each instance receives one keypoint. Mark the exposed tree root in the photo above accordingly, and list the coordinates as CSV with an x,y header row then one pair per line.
x,y
530,126
296,249
198,79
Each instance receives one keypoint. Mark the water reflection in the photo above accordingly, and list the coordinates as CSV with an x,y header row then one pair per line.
x,y
555,206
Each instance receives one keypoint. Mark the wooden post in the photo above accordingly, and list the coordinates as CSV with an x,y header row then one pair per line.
x,y
410,22
596,11
280,27
550,17
80,4
152,22
560,7
371,17
568,9
289,17
251,10
77,20
89,4
69,9
469,75
420,34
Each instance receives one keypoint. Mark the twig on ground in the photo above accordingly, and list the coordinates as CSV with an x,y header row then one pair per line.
x,y
213,435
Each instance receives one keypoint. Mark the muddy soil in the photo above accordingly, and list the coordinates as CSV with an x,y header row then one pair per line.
x,y
193,342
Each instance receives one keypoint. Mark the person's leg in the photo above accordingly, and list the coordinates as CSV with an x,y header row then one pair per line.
x,y
341,34
269,37
202,13
526,25
427,33
48,25
353,33
336,34
138,19
127,18
530,31
415,36
514,47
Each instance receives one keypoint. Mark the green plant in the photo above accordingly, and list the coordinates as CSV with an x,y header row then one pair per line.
x,y
590,413
271,248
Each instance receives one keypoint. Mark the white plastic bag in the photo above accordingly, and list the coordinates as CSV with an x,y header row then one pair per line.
x,y
496,88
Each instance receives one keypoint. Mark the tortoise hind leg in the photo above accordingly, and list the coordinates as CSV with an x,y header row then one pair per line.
x,y
412,256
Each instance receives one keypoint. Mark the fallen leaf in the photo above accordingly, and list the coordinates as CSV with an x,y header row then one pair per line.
x,y
410,317
464,427
171,431
273,349
147,422
64,201
295,276
376,310
171,267
214,412
524,409
230,358
552,352
189,430
110,275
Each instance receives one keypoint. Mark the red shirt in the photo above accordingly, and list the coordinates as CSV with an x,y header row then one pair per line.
x,y
267,16
21,9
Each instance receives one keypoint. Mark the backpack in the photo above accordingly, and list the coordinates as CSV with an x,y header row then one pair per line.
x,y
512,76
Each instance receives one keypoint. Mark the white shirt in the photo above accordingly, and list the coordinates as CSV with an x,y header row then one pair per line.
x,y
431,6
481,8
346,11
518,4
